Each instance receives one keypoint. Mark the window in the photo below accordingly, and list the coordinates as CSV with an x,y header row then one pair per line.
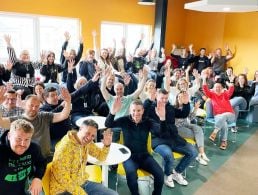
x,y
36,33
131,32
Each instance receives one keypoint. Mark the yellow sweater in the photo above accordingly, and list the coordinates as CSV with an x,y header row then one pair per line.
x,y
69,163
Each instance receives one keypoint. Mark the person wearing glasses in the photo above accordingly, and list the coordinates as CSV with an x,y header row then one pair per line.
x,y
8,105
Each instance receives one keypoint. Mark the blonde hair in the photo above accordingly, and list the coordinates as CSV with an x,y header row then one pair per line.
x,y
21,124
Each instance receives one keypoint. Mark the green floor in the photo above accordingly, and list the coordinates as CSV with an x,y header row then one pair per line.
x,y
199,174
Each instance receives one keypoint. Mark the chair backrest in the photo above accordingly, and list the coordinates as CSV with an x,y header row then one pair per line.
x,y
94,172
149,148
46,179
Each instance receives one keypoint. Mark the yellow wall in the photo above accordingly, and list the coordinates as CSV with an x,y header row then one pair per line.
x,y
90,12
175,28
238,30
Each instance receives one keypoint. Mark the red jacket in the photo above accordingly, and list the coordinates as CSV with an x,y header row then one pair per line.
x,y
220,103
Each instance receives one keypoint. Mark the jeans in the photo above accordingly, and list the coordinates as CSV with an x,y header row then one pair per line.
x,y
146,162
93,188
221,123
192,131
238,103
188,150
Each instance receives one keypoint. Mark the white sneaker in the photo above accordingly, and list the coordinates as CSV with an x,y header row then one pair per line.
x,y
169,181
204,157
179,178
201,160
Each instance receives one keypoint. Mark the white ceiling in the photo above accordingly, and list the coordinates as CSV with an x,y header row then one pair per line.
x,y
223,5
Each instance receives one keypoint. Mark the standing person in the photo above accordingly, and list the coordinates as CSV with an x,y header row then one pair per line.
x,y
41,120
68,174
136,130
201,61
50,69
165,141
68,56
20,160
218,62
23,70
222,109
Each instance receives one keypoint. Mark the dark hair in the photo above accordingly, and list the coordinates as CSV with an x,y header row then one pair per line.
x,y
230,67
163,91
48,90
40,84
12,91
202,48
90,122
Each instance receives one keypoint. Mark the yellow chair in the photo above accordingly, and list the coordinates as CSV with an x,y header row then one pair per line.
x,y
46,179
94,172
140,172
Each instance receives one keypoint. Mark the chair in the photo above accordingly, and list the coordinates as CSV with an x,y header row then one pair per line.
x,y
142,175
94,172
46,179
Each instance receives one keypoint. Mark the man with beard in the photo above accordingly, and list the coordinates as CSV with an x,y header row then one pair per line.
x,y
41,120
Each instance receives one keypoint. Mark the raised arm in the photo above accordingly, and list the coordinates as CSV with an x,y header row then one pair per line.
x,y
229,53
10,49
141,84
67,107
64,46
103,89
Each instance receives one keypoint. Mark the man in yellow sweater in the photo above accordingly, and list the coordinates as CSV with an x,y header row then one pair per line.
x,y
68,175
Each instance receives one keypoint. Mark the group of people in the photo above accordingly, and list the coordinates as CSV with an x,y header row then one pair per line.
x,y
140,95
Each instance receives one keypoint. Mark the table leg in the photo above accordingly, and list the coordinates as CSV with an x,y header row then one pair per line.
x,y
105,175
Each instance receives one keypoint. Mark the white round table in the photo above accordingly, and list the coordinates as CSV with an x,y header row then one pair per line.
x,y
100,120
115,156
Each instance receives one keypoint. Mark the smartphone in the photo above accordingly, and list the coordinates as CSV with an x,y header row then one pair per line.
x,y
123,150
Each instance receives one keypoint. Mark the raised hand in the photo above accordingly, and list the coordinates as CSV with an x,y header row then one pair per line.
x,y
65,95
7,39
9,65
67,36
71,65
96,76
94,33
107,137
43,56
116,105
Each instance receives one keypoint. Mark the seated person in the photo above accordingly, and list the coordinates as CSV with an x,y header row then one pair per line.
x,y
20,160
135,135
8,105
68,174
222,109
189,130
166,140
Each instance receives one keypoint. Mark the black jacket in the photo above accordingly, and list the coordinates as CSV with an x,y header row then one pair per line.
x,y
16,169
170,135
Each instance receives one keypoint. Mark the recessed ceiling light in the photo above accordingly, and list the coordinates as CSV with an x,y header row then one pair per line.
x,y
146,2
223,5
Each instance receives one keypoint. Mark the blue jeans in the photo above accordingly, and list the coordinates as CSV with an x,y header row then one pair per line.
x,y
188,150
146,162
93,188
238,103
